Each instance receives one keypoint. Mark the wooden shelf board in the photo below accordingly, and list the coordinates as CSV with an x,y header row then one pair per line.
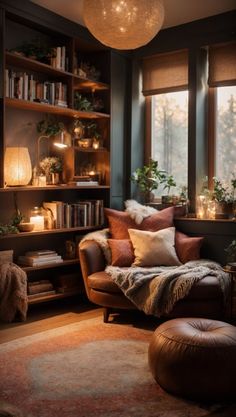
x,y
194,219
48,232
81,83
53,187
89,85
49,108
34,65
49,266
99,150
53,297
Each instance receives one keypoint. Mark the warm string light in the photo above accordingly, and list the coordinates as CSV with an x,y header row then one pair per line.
x,y
205,207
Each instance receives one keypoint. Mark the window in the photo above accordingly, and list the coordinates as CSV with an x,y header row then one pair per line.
x,y
169,135
165,84
225,133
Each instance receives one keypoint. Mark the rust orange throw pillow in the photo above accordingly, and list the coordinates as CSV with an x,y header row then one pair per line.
x,y
119,222
187,248
122,253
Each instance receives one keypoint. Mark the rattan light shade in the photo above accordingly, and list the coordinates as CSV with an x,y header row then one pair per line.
x,y
123,24
17,166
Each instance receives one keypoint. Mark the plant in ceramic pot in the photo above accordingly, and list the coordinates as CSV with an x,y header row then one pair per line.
x,y
148,178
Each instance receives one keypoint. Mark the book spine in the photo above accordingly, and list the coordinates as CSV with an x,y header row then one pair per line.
x,y
41,294
34,289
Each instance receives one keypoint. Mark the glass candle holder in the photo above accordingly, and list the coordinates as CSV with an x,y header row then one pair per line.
x,y
201,207
37,218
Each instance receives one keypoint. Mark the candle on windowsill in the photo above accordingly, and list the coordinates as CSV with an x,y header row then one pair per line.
x,y
201,207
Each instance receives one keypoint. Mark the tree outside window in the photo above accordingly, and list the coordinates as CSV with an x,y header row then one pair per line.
x,y
170,135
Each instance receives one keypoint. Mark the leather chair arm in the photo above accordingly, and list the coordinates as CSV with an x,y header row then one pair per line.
x,y
91,258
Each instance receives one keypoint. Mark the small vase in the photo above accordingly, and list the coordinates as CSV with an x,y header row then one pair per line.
x,y
55,179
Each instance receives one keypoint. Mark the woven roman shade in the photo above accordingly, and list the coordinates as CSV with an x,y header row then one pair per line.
x,y
222,65
165,72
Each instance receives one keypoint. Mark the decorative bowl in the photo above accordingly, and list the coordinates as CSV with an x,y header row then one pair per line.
x,y
25,227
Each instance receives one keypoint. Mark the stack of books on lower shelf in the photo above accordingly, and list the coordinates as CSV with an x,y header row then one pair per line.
x,y
38,289
40,258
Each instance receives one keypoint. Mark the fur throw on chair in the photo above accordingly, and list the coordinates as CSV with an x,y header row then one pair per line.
x,y
137,211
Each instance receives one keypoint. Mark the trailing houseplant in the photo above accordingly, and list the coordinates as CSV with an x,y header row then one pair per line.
x,y
50,127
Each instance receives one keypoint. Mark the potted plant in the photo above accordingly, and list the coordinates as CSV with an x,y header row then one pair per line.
x,y
50,127
224,199
169,183
231,252
148,178
51,167
82,103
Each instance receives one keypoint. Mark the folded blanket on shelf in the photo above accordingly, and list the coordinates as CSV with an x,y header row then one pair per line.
x,y
155,290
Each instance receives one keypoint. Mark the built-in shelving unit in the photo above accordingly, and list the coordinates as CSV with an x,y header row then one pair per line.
x,y
20,112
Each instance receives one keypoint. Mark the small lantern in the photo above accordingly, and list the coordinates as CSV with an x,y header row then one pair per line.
x,y
37,218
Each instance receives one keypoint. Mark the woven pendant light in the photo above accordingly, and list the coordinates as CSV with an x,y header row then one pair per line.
x,y
123,24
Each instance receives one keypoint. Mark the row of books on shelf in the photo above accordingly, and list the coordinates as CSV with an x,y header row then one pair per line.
x,y
24,86
40,258
59,59
84,213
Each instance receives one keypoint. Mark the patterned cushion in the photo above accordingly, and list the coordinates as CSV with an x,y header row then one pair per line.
x,y
122,253
119,222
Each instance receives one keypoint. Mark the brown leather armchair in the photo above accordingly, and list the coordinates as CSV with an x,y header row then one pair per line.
x,y
205,299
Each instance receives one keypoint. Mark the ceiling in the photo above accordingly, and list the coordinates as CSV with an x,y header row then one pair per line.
x,y
177,12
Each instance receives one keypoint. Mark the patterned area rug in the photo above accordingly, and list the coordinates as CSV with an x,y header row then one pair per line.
x,y
88,369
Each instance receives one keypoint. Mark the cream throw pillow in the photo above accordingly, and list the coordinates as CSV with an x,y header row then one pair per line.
x,y
154,248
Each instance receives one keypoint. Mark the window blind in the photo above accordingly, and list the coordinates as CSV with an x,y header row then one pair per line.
x,y
165,72
222,65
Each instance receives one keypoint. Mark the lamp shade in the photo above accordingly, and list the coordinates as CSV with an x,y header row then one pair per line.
x,y
123,24
17,166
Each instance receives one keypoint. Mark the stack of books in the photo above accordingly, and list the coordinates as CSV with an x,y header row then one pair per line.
x,y
40,258
40,289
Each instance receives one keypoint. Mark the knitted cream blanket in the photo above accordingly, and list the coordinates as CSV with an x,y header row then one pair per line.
x,y
156,290
13,292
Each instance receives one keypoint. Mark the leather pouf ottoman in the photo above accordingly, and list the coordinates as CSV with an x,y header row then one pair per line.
x,y
195,358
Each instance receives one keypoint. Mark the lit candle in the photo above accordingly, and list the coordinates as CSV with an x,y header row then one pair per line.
x,y
42,181
95,145
38,222
201,207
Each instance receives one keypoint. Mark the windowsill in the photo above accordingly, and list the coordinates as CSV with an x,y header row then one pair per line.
x,y
194,219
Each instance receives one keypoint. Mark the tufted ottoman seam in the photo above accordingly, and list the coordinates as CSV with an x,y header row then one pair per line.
x,y
180,342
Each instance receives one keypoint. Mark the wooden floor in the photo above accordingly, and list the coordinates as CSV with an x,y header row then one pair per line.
x,y
47,316
54,314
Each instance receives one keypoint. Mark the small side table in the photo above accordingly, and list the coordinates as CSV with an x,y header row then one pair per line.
x,y
232,273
